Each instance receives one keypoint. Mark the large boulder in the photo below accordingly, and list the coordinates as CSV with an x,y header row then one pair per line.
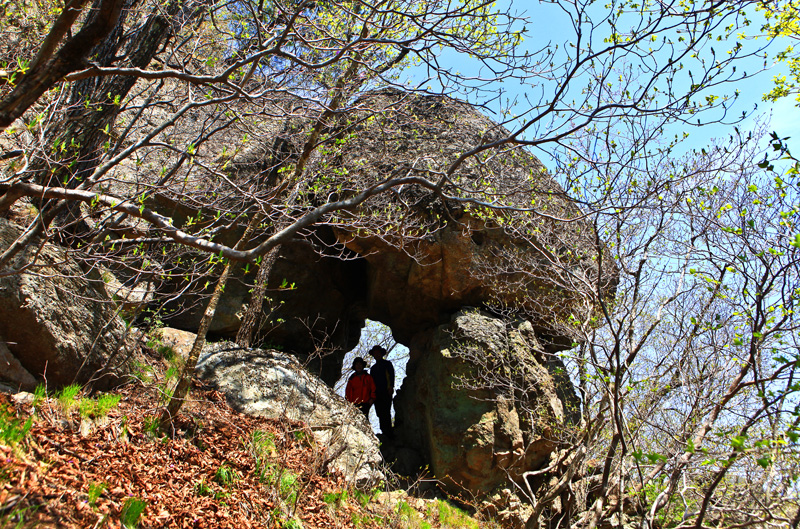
x,y
409,258
56,318
430,254
12,374
273,384
483,402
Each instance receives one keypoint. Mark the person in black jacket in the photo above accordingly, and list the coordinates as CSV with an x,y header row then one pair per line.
x,y
383,375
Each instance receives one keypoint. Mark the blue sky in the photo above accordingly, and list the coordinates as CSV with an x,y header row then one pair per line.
x,y
547,24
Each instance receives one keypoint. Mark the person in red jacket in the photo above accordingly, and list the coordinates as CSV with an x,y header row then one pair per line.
x,y
360,387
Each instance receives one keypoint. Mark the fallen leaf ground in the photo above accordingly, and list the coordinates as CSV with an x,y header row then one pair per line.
x,y
65,474
60,467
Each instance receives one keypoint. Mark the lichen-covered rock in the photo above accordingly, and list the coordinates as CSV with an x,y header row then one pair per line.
x,y
481,404
56,318
274,384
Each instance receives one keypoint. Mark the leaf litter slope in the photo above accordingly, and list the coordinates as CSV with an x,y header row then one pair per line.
x,y
49,478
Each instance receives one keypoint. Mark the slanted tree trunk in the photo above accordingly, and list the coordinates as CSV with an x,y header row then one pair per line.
x,y
182,388
251,318
50,66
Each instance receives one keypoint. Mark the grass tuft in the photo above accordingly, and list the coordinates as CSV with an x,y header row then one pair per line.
x,y
12,429
95,491
453,517
66,397
99,407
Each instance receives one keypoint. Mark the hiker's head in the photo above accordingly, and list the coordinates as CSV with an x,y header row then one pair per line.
x,y
377,352
359,364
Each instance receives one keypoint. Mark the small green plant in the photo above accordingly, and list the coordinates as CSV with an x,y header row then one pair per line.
x,y
142,371
99,407
302,437
15,519
132,510
262,447
12,429
39,395
450,516
289,486
151,427
169,383
335,499
164,351
292,523
405,510
410,518
263,443
169,354
360,519
363,498
66,397
95,491
226,476
201,488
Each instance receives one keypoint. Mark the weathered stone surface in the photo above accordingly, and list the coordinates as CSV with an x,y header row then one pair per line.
x,y
314,306
480,403
12,373
273,384
180,341
59,324
429,257
413,260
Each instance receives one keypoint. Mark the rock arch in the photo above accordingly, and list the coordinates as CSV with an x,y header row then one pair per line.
x,y
455,282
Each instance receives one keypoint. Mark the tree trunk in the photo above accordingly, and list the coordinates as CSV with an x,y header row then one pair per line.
x,y
251,318
185,381
48,68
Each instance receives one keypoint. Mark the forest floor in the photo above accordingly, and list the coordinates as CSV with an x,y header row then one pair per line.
x,y
73,461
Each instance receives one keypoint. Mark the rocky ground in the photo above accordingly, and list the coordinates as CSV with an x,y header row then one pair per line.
x,y
73,461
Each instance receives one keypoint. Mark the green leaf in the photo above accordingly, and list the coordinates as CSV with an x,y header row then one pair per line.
x,y
738,441
656,458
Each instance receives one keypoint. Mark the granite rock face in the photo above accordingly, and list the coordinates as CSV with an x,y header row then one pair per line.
x,y
56,318
410,258
12,374
483,402
273,384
